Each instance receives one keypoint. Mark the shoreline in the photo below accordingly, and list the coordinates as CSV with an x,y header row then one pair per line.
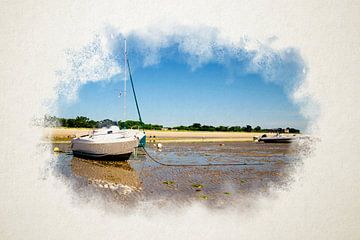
x,y
64,135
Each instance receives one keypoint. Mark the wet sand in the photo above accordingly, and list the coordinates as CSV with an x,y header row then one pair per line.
x,y
142,180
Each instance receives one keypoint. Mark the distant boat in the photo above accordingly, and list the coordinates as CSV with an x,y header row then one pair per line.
x,y
277,139
111,143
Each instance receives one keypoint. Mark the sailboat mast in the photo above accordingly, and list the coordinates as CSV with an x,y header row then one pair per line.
x,y
125,75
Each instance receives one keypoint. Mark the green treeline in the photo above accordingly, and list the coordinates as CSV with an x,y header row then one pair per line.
x,y
84,122
247,128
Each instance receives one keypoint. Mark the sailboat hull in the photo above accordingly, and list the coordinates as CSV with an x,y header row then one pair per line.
x,y
120,157
277,139
117,150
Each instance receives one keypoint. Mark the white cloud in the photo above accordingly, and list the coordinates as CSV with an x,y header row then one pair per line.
x,y
93,62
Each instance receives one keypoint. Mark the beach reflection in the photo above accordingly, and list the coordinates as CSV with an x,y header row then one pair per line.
x,y
104,174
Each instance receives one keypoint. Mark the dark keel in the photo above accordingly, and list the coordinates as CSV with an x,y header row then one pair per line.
x,y
274,140
122,157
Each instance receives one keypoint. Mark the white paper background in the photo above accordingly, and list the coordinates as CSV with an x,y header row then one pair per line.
x,y
322,204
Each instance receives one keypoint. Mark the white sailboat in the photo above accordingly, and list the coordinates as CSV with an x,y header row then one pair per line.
x,y
277,139
111,143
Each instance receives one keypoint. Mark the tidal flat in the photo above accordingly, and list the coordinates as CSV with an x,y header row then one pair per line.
x,y
140,179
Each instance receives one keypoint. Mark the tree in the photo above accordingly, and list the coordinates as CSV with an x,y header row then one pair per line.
x,y
257,129
293,130
195,126
182,128
248,128
70,123
92,124
222,128
235,129
207,128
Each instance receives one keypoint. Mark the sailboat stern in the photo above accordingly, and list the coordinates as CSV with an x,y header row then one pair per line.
x,y
142,141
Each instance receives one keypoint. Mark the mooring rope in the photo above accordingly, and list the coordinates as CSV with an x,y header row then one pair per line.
x,y
200,165
69,153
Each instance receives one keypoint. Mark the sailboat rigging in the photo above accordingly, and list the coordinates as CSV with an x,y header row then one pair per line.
x,y
112,143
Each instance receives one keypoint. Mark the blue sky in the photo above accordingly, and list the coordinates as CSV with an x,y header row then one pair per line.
x,y
221,85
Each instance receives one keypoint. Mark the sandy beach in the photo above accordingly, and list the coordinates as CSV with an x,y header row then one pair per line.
x,y
66,134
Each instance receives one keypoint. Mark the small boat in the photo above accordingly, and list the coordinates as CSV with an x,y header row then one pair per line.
x,y
277,139
111,143
108,143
